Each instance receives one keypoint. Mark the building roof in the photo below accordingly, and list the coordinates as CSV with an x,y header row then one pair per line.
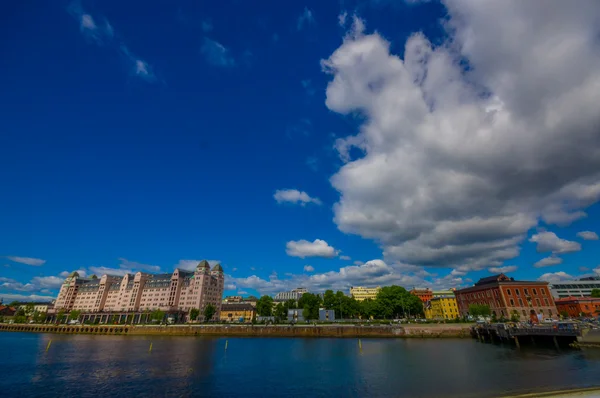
x,y
576,299
203,265
236,307
218,267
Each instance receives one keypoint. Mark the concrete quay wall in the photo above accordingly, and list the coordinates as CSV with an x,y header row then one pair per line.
x,y
433,331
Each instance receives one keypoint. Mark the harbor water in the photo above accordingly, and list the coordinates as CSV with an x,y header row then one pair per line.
x,y
47,365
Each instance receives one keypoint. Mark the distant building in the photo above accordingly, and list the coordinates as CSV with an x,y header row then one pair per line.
x,y
363,293
295,315
233,299
294,294
326,315
138,293
579,306
579,288
40,307
251,300
5,310
440,293
237,312
443,307
423,294
506,296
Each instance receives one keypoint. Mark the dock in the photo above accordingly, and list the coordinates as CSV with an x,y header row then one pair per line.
x,y
560,333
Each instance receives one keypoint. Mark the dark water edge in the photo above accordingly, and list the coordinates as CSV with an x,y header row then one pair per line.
x,y
95,365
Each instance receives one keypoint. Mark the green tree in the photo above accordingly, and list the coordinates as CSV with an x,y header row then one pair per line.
x,y
281,311
514,317
310,304
367,308
20,319
20,312
393,301
595,292
29,309
74,314
157,315
477,310
329,300
209,311
291,304
264,306
60,315
194,312
14,303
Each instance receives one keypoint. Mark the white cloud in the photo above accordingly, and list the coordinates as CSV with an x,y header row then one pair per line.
x,y
36,262
99,271
503,270
345,258
82,273
104,35
454,166
549,242
190,265
556,277
588,235
294,196
548,261
358,262
309,268
8,297
303,248
372,273
306,19
216,54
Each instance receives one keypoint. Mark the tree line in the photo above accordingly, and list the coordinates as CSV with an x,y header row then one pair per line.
x,y
391,302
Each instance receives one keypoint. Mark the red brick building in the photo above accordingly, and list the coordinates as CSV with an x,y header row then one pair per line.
x,y
579,306
505,296
424,294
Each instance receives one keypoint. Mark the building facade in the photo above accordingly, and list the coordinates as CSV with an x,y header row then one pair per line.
x,y
507,298
237,312
579,288
364,293
424,294
141,292
294,294
442,307
575,307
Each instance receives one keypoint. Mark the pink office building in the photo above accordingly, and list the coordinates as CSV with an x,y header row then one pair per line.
x,y
177,292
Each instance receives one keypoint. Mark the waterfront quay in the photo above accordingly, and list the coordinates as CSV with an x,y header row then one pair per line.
x,y
559,334
333,330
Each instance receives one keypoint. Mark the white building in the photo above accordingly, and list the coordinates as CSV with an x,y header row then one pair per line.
x,y
580,288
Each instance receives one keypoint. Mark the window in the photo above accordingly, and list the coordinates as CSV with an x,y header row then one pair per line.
x,y
508,292
534,292
543,291
526,292
517,292
546,302
512,302
537,301
520,302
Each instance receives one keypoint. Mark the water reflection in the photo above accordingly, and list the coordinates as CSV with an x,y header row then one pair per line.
x,y
272,367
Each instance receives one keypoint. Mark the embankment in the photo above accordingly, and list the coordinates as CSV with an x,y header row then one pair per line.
x,y
405,331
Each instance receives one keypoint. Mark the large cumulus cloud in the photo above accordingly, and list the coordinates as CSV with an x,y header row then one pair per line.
x,y
468,145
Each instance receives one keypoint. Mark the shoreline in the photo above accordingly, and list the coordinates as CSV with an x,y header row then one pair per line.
x,y
340,331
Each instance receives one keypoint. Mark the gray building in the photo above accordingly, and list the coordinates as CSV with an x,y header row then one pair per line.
x,y
326,315
295,315
580,288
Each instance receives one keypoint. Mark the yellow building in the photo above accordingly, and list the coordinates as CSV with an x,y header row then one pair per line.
x,y
442,307
237,312
363,293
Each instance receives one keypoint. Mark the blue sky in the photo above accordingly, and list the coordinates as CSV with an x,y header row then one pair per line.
x,y
325,144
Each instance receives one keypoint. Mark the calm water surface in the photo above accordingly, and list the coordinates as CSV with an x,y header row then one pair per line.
x,y
115,366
